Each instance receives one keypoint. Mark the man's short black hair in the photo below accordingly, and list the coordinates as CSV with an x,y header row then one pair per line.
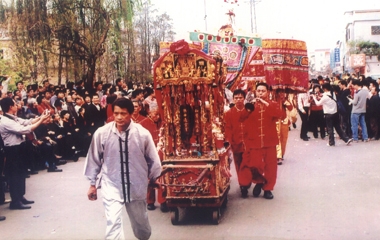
x,y
376,86
94,95
97,84
238,92
327,86
39,99
343,82
263,84
7,103
124,103
29,89
136,92
316,86
117,81
357,82
63,113
78,83
111,98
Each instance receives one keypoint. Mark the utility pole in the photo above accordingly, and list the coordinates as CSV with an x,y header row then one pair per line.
x,y
205,18
253,16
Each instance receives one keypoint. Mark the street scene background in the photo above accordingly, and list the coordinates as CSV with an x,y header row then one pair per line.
x,y
321,193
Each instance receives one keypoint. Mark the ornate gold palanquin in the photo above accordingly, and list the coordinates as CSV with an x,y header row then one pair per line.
x,y
189,91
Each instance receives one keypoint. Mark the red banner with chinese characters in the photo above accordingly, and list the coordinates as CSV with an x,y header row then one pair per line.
x,y
357,60
286,64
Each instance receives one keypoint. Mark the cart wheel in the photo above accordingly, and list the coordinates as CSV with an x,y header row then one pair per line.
x,y
174,215
216,216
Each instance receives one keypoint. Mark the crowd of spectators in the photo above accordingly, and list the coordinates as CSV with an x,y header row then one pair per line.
x,y
360,116
76,113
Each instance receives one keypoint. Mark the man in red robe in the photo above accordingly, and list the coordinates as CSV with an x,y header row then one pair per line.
x,y
234,129
136,116
152,124
259,163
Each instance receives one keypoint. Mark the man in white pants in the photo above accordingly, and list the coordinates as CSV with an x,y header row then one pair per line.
x,y
125,155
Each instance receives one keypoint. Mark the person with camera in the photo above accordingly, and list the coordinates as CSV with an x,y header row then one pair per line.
x,y
12,130
330,110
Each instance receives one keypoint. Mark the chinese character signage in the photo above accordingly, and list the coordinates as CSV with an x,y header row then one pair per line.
x,y
336,55
357,60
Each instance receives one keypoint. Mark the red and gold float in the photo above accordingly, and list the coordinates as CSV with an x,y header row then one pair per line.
x,y
189,91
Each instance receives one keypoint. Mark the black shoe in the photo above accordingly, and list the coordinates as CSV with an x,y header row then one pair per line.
x,y
25,201
164,207
18,206
257,189
268,195
151,207
244,192
32,172
349,141
305,139
61,162
2,218
54,170
279,161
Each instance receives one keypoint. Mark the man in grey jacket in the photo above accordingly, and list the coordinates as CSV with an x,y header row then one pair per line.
x,y
125,155
359,104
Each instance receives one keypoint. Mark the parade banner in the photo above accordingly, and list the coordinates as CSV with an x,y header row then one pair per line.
x,y
286,64
242,55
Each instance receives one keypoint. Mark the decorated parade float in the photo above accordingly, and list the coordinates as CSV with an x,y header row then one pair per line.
x,y
188,86
189,81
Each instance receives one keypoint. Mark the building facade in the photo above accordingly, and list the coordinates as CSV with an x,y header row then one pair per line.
x,y
360,52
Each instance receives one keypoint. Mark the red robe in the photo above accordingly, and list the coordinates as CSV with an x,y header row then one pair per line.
x,y
234,129
138,119
152,127
154,130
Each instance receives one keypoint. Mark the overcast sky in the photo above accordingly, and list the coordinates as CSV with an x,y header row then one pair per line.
x,y
318,22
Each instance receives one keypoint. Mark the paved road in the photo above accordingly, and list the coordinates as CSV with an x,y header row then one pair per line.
x,y
322,193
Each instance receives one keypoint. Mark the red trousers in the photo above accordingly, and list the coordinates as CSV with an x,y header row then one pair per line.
x,y
259,166
151,194
161,190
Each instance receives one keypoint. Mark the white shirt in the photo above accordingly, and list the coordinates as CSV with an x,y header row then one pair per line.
x,y
303,101
329,105
104,157
12,130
